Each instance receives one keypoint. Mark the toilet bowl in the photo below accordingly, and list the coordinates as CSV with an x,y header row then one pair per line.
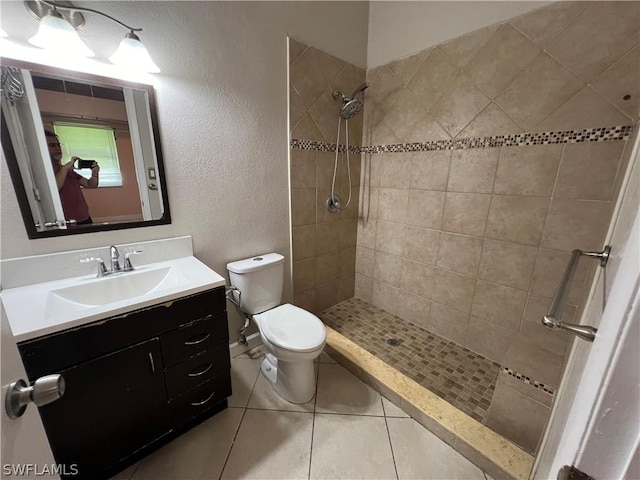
x,y
292,337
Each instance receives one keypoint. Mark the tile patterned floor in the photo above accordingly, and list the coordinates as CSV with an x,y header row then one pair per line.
x,y
463,378
348,431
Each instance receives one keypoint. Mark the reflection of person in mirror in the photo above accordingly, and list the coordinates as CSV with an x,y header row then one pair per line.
x,y
70,183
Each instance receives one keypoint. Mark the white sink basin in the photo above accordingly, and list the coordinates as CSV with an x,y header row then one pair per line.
x,y
116,288
44,308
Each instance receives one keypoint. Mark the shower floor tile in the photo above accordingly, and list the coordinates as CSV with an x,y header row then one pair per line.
x,y
463,378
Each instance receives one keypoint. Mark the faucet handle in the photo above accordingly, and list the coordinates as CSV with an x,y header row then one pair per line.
x,y
102,268
127,260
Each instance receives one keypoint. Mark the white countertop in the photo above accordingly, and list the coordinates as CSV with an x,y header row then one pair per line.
x,y
29,312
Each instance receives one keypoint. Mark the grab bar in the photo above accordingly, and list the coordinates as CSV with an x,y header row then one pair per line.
x,y
551,319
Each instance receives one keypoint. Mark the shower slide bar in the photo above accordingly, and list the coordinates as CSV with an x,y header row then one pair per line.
x,y
552,319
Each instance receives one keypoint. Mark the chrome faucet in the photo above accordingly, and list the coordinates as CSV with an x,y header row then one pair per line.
x,y
115,259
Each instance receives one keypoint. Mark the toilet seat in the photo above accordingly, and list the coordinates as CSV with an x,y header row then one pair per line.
x,y
292,328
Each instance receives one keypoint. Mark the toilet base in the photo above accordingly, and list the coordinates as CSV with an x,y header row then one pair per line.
x,y
293,381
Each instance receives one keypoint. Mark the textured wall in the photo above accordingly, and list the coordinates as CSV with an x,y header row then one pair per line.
x,y
323,243
471,242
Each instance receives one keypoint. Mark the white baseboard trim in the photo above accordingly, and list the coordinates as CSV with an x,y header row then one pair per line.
x,y
253,341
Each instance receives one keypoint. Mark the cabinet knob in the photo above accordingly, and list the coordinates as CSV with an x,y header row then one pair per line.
x,y
44,390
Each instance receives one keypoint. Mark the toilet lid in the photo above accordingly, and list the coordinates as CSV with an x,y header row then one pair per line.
x,y
292,328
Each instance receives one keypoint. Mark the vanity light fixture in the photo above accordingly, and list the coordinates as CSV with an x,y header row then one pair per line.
x,y
57,32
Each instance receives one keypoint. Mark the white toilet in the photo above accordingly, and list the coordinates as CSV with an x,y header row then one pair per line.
x,y
292,337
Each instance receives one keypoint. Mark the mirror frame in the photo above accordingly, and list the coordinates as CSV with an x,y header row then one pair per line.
x,y
16,177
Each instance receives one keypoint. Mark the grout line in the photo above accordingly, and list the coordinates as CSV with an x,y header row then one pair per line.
x,y
393,456
233,442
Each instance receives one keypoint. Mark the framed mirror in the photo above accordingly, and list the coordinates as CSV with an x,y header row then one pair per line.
x,y
110,124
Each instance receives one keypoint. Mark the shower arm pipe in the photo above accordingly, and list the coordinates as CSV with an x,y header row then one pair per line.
x,y
55,6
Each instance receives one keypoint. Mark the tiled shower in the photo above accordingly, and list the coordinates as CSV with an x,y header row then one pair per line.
x,y
484,161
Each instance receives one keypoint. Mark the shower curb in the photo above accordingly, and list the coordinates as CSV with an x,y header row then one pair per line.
x,y
491,452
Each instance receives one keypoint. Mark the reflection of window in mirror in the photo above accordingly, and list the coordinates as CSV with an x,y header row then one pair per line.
x,y
91,142
92,124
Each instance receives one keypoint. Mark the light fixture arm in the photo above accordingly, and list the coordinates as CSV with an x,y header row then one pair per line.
x,y
84,9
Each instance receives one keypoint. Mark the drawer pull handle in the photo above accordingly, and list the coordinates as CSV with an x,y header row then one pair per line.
x,y
197,404
153,365
193,372
199,340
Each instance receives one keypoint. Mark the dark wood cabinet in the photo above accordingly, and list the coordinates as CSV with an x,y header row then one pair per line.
x,y
133,382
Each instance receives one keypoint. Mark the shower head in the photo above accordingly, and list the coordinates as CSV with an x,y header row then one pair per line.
x,y
351,106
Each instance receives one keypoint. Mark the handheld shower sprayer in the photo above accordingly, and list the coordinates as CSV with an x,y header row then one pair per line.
x,y
351,106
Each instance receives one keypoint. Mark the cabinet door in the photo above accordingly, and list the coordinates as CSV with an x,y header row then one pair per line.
x,y
112,406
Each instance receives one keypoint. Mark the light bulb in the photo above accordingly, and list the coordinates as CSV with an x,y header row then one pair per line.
x,y
133,54
56,34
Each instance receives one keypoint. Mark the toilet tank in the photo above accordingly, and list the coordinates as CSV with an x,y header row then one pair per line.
x,y
260,281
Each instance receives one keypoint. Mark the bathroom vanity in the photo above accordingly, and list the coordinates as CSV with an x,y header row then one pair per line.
x,y
135,377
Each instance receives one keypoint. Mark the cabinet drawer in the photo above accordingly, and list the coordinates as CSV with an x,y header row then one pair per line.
x,y
204,366
191,339
189,405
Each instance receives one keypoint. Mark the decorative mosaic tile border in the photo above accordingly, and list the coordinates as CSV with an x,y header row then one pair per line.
x,y
601,134
528,381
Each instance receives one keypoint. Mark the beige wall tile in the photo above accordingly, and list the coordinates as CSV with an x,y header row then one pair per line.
x,y
395,171
491,121
539,364
414,308
576,224
487,339
499,305
427,128
586,109
545,24
303,202
390,237
348,232
347,261
304,275
327,268
327,237
433,79
295,50
322,214
537,306
458,107
392,205
425,208
459,253
364,261
421,244
452,289
304,242
324,113
508,264
307,129
416,278
406,68
297,109
430,170
367,234
386,297
588,170
369,202
324,169
505,54
303,168
473,171
529,170
385,86
462,49
326,295
517,219
537,91
387,268
623,78
605,32
448,322
526,389
517,417
363,288
346,287
407,111
555,341
466,213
